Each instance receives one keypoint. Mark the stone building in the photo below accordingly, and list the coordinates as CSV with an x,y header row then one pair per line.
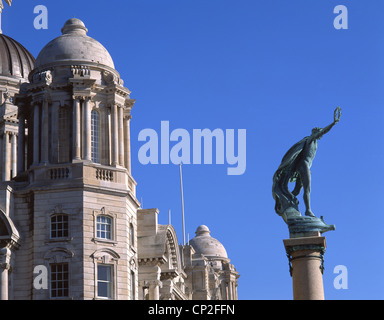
x,y
70,224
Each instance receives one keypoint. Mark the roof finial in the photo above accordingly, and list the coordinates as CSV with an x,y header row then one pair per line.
x,y
1,10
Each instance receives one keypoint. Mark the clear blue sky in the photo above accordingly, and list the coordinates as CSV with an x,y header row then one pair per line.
x,y
276,69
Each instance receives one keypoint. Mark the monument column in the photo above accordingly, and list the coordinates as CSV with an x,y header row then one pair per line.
x,y
305,247
305,254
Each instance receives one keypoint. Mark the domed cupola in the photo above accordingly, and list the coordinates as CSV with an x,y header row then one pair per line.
x,y
74,47
209,247
15,61
77,109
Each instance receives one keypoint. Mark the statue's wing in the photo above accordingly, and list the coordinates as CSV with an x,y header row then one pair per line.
x,y
9,2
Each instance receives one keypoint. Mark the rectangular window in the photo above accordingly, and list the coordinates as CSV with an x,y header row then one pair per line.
x,y
59,280
104,227
59,226
95,124
105,281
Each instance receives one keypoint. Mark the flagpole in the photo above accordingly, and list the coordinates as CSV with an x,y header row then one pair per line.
x,y
182,202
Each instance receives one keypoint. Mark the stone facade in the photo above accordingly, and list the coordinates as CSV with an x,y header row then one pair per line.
x,y
70,224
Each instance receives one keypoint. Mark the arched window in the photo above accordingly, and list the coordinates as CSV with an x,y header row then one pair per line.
x,y
63,134
95,136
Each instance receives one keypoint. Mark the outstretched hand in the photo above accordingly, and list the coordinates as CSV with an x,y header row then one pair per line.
x,y
337,115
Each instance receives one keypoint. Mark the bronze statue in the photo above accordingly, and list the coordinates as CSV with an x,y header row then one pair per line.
x,y
1,10
295,167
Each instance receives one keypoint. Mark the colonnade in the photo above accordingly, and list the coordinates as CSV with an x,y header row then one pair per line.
x,y
116,130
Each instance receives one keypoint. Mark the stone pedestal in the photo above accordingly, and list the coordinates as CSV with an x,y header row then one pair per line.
x,y
305,253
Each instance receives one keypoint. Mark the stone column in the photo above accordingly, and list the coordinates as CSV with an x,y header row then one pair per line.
x,y
127,142
149,273
114,135
36,133
87,130
121,135
224,290
5,257
14,154
76,144
230,291
6,172
305,254
154,289
44,133
21,144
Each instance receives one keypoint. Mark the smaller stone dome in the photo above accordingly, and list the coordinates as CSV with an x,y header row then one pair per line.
x,y
15,60
204,244
74,46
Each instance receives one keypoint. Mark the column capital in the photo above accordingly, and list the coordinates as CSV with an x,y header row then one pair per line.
x,y
81,97
155,283
316,243
5,266
5,258
129,103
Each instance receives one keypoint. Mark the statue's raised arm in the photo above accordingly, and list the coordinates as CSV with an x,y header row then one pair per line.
x,y
317,133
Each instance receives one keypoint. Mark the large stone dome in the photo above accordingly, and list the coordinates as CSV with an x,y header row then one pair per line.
x,y
15,60
74,46
204,244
